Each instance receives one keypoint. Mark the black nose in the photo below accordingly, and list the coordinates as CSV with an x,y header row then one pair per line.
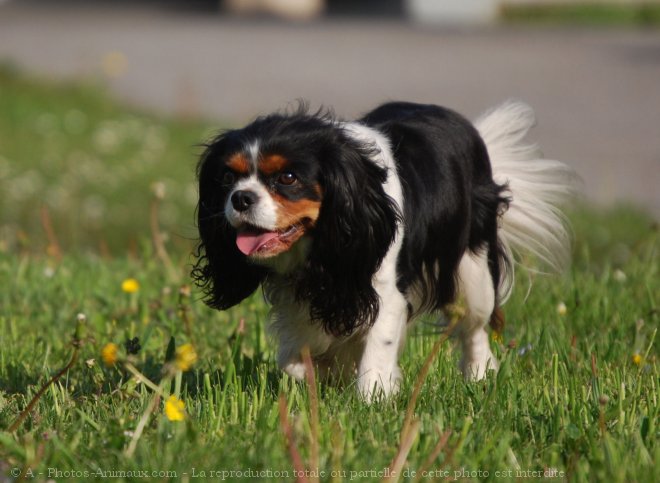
x,y
242,200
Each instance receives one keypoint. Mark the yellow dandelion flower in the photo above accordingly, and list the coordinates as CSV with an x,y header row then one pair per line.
x,y
185,357
130,285
174,409
496,336
109,354
637,359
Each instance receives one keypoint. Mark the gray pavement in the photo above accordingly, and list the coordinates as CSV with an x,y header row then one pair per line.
x,y
596,92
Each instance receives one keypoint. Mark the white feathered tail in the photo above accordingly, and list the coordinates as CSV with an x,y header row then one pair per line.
x,y
536,186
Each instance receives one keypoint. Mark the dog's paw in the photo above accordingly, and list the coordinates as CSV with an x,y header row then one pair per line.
x,y
476,369
376,384
297,370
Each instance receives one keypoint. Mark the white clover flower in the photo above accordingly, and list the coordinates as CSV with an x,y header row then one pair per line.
x,y
619,276
561,308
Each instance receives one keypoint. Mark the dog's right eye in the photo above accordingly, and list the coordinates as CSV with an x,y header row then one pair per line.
x,y
228,178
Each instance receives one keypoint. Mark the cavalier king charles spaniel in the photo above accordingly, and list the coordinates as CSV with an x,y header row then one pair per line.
x,y
354,228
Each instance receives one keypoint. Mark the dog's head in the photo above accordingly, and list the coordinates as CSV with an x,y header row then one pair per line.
x,y
297,195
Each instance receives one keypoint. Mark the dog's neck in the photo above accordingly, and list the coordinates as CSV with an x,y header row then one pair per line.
x,y
288,262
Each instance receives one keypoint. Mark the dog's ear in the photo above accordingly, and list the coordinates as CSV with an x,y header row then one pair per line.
x,y
356,226
221,270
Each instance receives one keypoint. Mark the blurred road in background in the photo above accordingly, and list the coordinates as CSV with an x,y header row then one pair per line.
x,y
596,92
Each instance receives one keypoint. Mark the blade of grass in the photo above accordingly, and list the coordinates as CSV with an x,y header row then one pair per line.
x,y
399,460
314,411
76,341
455,312
53,249
437,449
287,430
130,450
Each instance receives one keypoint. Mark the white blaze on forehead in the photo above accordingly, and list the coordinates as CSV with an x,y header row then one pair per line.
x,y
263,214
253,153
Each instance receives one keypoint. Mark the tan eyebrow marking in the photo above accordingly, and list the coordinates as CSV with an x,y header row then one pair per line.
x,y
272,163
239,163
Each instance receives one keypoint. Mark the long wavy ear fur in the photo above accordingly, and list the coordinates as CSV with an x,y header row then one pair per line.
x,y
356,226
221,270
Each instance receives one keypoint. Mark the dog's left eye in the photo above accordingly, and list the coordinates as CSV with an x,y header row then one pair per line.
x,y
228,178
287,179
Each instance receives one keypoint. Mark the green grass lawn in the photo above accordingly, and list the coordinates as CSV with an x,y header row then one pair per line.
x,y
576,397
585,13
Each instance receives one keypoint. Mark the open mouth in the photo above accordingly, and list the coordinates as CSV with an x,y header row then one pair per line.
x,y
253,241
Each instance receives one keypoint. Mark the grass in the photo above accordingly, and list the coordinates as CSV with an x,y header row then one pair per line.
x,y
587,13
576,397
92,164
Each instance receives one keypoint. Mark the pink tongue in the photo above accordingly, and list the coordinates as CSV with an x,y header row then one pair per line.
x,y
250,242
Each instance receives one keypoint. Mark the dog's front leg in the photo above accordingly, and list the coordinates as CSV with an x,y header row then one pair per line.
x,y
294,331
378,371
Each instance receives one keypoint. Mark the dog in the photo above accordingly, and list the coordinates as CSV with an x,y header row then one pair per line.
x,y
354,228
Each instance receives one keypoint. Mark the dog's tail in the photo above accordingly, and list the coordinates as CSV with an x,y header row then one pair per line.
x,y
535,186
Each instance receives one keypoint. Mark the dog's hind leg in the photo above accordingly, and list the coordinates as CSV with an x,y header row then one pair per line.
x,y
477,292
